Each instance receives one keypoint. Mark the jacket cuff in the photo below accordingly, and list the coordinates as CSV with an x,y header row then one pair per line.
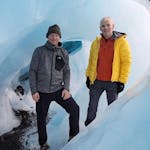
x,y
33,91
66,87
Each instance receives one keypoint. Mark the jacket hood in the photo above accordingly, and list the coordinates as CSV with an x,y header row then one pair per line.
x,y
117,34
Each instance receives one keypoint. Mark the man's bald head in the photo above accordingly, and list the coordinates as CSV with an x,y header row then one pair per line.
x,y
107,27
106,19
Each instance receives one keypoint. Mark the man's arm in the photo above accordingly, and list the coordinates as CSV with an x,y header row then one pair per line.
x,y
125,61
89,60
66,74
33,71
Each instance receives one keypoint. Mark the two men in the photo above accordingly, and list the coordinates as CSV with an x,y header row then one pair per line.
x,y
108,68
49,78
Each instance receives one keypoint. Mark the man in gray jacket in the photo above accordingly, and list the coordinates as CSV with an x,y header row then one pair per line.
x,y
49,78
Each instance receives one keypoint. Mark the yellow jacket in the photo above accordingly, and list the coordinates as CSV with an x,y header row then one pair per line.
x,y
121,62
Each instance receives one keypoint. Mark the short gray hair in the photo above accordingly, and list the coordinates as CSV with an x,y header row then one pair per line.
x,y
105,19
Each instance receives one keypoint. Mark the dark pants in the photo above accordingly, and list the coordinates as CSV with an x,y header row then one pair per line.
x,y
42,107
96,91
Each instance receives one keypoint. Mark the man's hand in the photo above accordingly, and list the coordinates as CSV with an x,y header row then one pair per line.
x,y
36,97
120,87
65,94
88,82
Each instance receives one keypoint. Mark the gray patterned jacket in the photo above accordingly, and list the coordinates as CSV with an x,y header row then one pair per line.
x,y
49,69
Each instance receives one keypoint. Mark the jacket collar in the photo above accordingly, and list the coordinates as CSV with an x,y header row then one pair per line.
x,y
115,35
50,46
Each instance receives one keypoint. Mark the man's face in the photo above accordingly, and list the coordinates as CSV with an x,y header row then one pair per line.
x,y
107,28
54,39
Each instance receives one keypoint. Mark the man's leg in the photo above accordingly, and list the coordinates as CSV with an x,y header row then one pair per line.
x,y
95,92
73,109
41,109
111,91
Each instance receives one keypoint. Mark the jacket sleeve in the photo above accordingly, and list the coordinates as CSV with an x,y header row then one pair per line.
x,y
90,61
33,71
66,74
125,61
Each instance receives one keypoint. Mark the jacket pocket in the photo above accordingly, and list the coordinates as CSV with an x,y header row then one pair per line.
x,y
59,62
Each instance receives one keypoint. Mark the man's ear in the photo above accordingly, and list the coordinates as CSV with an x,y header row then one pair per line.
x,y
100,28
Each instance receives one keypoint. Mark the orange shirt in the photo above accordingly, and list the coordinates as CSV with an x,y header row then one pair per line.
x,y
105,59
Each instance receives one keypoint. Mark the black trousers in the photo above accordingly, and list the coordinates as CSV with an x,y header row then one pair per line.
x,y
42,107
96,91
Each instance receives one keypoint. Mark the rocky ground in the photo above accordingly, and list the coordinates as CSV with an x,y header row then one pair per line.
x,y
23,137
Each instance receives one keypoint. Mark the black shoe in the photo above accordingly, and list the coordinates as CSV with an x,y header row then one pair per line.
x,y
45,147
87,122
70,138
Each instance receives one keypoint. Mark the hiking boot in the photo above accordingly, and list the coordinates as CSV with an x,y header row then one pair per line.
x,y
45,147
87,122
70,138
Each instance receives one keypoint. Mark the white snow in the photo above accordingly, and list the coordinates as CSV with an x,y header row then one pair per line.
x,y
8,119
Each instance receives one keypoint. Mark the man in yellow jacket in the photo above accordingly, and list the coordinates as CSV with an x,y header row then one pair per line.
x,y
109,66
